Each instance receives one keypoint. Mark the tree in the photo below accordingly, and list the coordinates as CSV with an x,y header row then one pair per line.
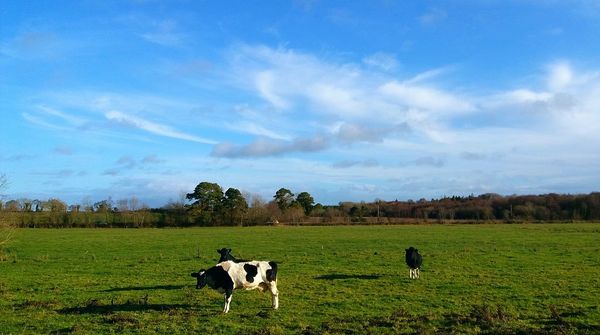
x,y
58,210
318,210
258,213
3,182
123,205
306,201
235,205
177,212
208,201
294,213
284,198
6,230
104,207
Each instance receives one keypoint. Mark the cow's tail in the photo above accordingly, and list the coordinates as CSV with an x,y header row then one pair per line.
x,y
272,272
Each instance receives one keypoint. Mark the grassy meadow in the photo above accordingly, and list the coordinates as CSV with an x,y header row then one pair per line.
x,y
495,279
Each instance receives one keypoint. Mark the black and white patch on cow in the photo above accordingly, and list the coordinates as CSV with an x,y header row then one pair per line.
x,y
414,261
228,276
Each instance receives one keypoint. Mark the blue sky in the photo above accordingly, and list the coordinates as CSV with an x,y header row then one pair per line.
x,y
346,100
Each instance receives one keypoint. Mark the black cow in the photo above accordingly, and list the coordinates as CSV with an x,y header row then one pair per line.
x,y
228,276
414,261
227,256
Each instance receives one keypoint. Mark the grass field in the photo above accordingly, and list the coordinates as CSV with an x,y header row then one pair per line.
x,y
511,279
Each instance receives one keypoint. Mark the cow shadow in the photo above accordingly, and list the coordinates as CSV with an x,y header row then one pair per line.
x,y
96,308
337,276
144,288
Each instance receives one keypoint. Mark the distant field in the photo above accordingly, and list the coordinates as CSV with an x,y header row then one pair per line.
x,y
529,279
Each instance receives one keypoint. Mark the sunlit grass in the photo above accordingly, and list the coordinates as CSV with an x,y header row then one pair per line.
x,y
475,279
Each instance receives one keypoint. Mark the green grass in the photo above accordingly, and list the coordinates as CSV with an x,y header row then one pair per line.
x,y
531,278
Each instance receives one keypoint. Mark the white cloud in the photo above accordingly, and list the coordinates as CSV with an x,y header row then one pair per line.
x,y
41,122
255,129
421,97
71,119
266,87
428,75
569,106
382,61
560,76
153,127
335,99
330,92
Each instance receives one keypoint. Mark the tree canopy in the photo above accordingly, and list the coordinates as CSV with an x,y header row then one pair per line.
x,y
284,198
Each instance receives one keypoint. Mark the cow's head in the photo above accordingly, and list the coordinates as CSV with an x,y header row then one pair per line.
x,y
225,255
201,278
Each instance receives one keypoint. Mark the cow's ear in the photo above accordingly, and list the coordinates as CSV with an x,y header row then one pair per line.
x,y
405,249
219,251
228,250
195,274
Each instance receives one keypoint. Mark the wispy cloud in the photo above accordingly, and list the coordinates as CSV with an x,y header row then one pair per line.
x,y
152,159
127,162
263,147
429,161
152,127
350,133
38,121
250,127
381,60
63,150
329,92
433,16
426,98
33,44
472,156
352,163
17,158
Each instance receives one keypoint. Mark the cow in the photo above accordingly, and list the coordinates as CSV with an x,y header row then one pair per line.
x,y
227,256
414,261
229,275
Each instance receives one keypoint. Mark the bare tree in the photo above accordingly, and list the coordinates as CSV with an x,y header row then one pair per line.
x,y
134,203
6,229
3,184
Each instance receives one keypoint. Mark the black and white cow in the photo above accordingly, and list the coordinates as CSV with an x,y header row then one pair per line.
x,y
414,261
228,276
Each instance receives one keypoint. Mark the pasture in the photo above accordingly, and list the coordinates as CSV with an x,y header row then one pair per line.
x,y
529,279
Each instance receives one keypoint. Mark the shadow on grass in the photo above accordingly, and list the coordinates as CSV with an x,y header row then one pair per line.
x,y
335,276
144,288
96,308
482,319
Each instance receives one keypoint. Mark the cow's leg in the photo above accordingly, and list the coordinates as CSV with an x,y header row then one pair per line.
x,y
274,295
228,295
418,272
410,273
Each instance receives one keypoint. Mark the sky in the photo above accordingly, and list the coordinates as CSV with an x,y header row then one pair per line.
x,y
346,100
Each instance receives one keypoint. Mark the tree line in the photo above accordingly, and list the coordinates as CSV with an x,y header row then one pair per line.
x,y
209,205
